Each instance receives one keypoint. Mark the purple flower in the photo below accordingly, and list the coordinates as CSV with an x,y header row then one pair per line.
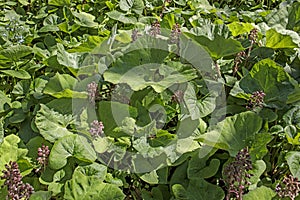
x,y
178,96
253,35
13,180
175,34
93,93
237,174
43,154
290,187
256,100
96,128
155,29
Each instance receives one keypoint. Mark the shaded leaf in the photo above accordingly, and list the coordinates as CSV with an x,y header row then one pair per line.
x,y
293,160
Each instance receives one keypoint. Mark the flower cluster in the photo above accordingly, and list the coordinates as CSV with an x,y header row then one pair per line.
x,y
239,58
237,174
92,89
155,29
13,180
175,34
96,128
256,100
134,35
290,187
43,154
253,35
178,96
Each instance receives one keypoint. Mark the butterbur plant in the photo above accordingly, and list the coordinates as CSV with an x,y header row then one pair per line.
x,y
175,34
289,187
96,129
15,186
253,36
43,154
240,57
93,93
237,175
178,96
155,29
256,100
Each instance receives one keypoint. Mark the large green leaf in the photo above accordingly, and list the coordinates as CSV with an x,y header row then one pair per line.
x,y
259,148
259,166
159,77
71,146
202,167
136,5
85,187
233,133
278,40
116,15
293,160
218,47
40,195
21,74
198,189
14,53
238,28
59,2
62,86
1,131
67,59
95,170
85,19
260,193
52,125
271,78
292,116
112,115
4,101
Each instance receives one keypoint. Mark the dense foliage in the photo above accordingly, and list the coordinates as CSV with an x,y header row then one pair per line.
x,y
149,99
